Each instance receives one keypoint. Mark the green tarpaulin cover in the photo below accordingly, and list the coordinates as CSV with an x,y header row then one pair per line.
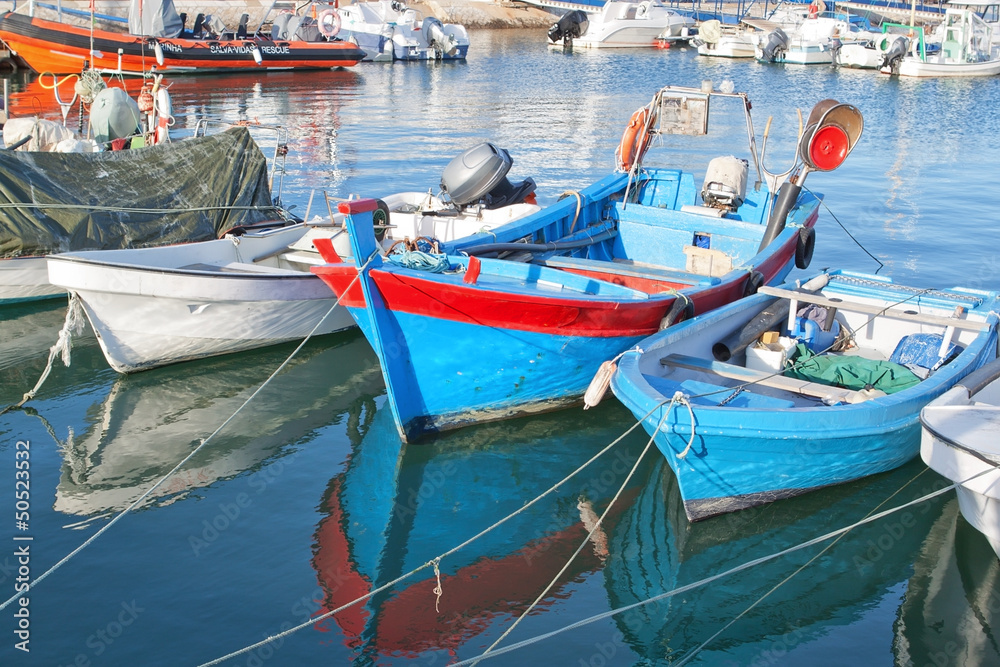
x,y
189,190
850,372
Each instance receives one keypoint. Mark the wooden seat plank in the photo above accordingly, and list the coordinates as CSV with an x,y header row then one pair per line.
x,y
733,372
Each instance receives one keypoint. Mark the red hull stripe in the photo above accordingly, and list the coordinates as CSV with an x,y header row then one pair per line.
x,y
410,293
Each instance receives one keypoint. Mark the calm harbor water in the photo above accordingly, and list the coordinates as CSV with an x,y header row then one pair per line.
x,y
307,500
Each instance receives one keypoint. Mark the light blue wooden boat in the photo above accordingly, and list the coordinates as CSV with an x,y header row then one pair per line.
x,y
491,337
758,435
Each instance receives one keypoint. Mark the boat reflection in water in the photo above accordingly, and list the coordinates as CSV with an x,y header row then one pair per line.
x,y
150,421
952,599
654,550
394,508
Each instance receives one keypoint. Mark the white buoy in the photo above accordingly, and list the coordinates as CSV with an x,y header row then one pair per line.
x,y
599,385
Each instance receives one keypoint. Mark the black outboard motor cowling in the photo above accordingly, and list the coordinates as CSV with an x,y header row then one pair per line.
x,y
777,43
507,193
479,175
892,55
569,27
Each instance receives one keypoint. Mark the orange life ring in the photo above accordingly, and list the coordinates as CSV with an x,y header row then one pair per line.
x,y
635,140
328,23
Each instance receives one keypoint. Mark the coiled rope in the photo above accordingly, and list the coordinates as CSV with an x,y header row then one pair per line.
x,y
420,261
192,454
89,85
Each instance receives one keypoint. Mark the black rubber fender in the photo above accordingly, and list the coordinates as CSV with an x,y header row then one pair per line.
x,y
804,247
380,219
753,283
682,309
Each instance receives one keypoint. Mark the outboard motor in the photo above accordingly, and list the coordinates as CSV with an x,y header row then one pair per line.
x,y
569,27
725,183
479,175
777,44
893,52
436,37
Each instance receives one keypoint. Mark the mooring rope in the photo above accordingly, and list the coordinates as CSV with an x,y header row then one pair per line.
x,y
586,540
434,562
837,220
72,325
690,656
201,445
579,207
126,209
707,580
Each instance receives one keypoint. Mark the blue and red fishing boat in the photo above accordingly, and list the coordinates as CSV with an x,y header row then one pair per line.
x,y
518,320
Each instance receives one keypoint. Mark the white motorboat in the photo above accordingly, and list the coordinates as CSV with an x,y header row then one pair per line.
x,y
155,306
388,30
719,41
622,23
967,49
812,36
959,441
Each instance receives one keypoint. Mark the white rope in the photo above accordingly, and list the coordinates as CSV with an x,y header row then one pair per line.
x,y
580,548
690,656
127,209
679,397
430,563
187,458
698,584
438,591
72,325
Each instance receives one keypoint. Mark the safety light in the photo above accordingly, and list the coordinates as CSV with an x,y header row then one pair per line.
x,y
831,133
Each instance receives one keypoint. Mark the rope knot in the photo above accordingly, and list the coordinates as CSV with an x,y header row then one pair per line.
x,y
437,589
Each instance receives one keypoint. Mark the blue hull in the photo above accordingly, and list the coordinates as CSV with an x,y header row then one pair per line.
x,y
467,373
753,447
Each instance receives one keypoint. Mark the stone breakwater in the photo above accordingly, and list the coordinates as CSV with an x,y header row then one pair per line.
x,y
470,13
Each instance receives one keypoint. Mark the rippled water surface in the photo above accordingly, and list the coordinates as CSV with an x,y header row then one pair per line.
x,y
307,501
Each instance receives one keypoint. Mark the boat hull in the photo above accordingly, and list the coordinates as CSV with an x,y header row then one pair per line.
x,y
50,46
728,48
750,448
624,37
859,56
146,318
917,68
476,354
25,279
959,442
382,48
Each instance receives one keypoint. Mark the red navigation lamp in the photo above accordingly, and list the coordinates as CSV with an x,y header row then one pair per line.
x,y
831,133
